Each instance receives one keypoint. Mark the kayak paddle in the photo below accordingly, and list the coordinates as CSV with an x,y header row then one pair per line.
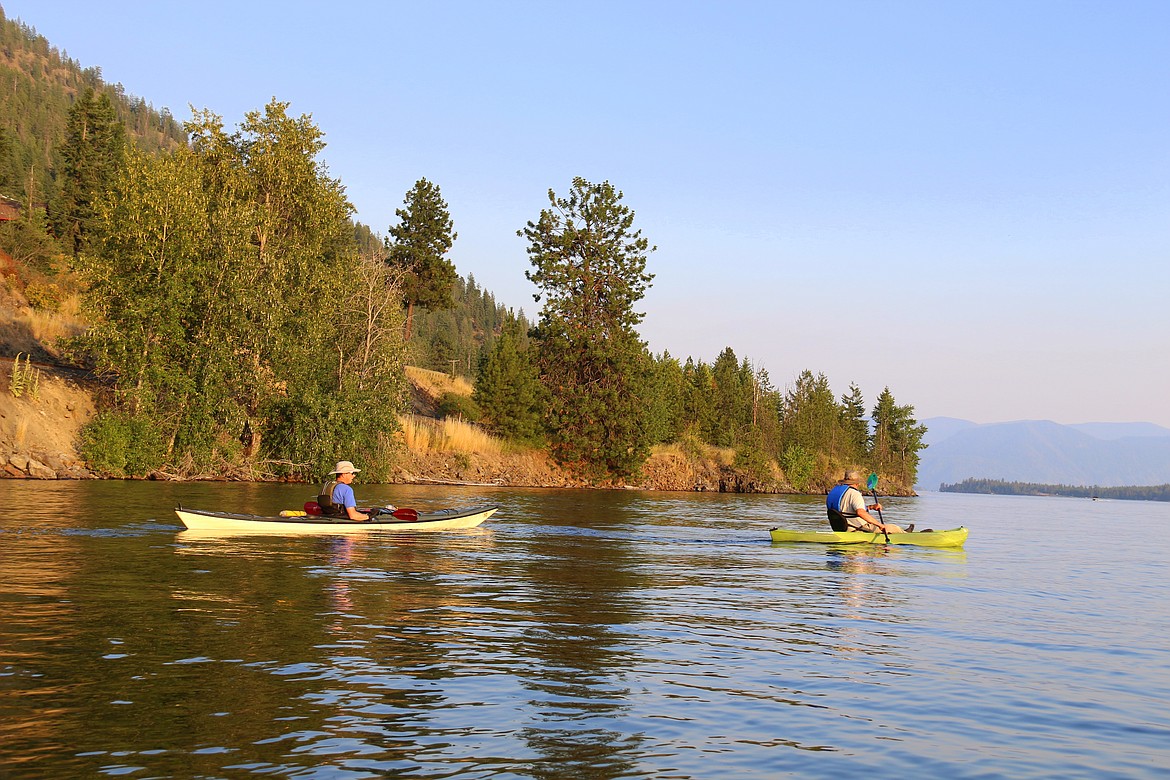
x,y
871,483
402,513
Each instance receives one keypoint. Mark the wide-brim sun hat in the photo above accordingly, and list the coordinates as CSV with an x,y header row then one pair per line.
x,y
344,467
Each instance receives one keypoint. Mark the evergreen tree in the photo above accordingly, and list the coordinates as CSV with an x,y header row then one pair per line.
x,y
589,265
664,406
420,242
508,390
811,415
897,438
855,426
733,399
700,417
94,147
28,239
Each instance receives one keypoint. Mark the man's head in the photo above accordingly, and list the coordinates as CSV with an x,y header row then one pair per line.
x,y
344,468
852,477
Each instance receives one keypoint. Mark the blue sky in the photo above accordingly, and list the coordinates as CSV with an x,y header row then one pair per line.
x,y
968,202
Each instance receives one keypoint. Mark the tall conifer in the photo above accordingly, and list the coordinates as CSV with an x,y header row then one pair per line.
x,y
93,154
418,248
589,265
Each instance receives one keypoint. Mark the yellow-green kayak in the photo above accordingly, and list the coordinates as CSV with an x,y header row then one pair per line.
x,y
952,538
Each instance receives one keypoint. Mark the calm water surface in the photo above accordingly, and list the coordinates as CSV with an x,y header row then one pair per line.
x,y
578,634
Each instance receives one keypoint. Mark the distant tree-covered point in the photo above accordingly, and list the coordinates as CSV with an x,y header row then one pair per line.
x,y
1004,488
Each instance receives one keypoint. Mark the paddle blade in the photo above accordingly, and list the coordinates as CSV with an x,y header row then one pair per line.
x,y
405,514
871,483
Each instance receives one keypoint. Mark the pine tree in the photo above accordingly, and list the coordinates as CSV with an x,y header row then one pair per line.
x,y
897,438
854,425
93,153
589,265
664,409
508,389
420,242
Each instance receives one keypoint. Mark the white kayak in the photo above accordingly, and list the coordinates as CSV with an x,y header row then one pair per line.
x,y
228,522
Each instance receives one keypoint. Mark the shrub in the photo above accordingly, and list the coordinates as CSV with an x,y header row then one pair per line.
x,y
46,297
120,445
457,405
798,465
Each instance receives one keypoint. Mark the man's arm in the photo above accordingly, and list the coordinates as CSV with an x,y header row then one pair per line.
x,y
867,517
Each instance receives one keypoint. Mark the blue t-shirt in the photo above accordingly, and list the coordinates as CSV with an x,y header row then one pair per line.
x,y
343,495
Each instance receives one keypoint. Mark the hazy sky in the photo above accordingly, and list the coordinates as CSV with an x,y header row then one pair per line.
x,y
968,202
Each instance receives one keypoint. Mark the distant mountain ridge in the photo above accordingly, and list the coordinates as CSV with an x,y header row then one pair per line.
x,y
1041,451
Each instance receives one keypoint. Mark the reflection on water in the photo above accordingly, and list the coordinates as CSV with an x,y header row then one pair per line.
x,y
599,634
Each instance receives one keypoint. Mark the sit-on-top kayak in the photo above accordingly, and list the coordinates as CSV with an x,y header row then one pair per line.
x,y
301,523
952,538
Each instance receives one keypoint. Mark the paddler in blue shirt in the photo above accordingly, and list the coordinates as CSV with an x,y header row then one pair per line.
x,y
848,511
336,498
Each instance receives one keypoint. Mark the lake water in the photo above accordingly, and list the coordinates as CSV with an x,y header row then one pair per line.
x,y
579,634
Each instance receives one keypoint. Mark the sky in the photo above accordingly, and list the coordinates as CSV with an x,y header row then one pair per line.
x,y
965,202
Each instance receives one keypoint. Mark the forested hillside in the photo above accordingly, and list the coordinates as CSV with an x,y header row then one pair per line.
x,y
453,340
38,86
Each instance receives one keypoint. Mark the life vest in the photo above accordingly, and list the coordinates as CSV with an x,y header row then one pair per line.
x,y
325,500
838,520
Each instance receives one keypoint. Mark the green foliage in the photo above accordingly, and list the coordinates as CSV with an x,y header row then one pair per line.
x,y
855,426
95,143
122,445
29,240
231,303
589,266
811,415
664,403
455,340
751,457
44,296
459,405
897,439
420,241
798,465
508,389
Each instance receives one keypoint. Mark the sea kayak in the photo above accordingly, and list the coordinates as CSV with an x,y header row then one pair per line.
x,y
952,538
228,522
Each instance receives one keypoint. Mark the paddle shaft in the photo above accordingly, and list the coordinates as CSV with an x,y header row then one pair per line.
x,y
878,504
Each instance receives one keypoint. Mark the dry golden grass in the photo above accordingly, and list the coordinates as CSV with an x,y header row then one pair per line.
x,y
49,326
436,383
724,456
423,434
